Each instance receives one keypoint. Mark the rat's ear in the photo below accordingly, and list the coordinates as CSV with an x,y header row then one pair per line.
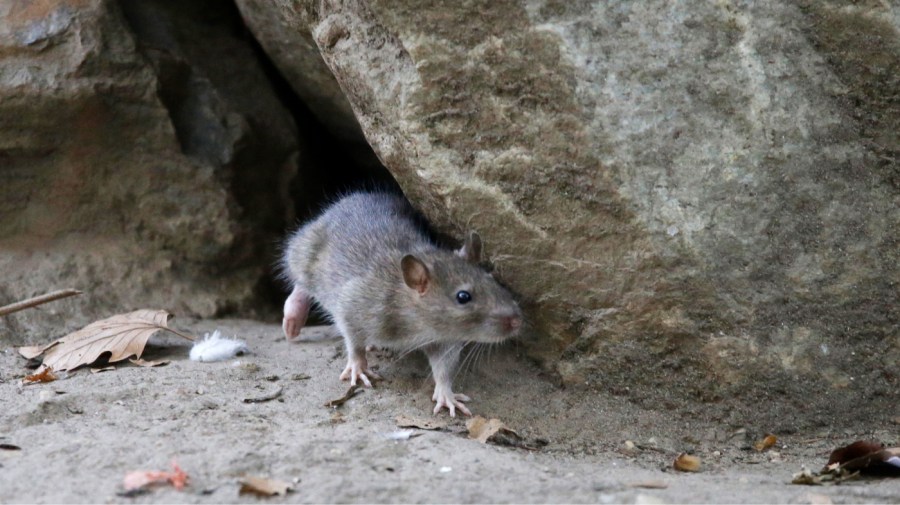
x,y
415,273
471,250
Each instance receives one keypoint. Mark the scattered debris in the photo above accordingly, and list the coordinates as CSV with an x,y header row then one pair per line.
x,y
353,391
495,431
109,368
265,398
338,418
687,463
446,469
649,484
272,378
831,476
402,435
264,487
215,347
867,457
44,376
482,429
300,377
850,462
629,448
422,424
37,300
9,447
765,443
141,479
145,363
121,336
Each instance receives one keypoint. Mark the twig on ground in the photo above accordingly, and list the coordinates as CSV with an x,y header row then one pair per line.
x,y
37,300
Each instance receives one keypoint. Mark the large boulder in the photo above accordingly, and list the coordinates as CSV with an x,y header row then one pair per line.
x,y
135,170
693,195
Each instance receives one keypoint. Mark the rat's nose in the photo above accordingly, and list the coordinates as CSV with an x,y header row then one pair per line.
x,y
511,324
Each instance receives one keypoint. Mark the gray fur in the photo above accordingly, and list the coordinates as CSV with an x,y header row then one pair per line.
x,y
349,261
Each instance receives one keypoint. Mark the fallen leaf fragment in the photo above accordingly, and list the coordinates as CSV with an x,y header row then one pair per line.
x,y
142,478
145,363
493,430
482,429
686,463
44,376
353,391
261,486
765,443
264,398
33,351
867,457
422,424
110,368
855,450
121,336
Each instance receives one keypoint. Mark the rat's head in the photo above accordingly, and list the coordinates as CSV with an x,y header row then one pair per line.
x,y
459,300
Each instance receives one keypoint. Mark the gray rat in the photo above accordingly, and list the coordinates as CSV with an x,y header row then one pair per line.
x,y
369,264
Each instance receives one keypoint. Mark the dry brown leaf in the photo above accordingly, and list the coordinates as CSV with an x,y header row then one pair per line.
x,y
45,375
33,351
493,430
765,443
145,363
109,368
122,336
261,486
482,429
422,424
867,457
687,463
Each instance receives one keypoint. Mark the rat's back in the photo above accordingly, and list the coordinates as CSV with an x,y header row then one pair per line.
x,y
357,234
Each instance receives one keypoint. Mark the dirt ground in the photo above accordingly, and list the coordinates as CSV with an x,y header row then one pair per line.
x,y
79,436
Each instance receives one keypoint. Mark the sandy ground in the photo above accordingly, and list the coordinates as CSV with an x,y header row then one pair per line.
x,y
79,436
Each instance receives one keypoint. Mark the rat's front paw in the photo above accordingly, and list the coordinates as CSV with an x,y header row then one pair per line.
x,y
451,401
358,370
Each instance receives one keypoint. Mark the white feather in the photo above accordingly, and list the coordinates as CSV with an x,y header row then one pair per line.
x,y
215,347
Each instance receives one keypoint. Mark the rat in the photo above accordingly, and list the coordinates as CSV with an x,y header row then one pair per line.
x,y
367,261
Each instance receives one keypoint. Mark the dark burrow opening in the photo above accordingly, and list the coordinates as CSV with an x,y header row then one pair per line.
x,y
233,109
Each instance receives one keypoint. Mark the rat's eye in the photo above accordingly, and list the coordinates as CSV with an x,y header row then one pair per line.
x,y
463,297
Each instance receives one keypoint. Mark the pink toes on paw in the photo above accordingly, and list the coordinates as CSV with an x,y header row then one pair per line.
x,y
356,373
451,402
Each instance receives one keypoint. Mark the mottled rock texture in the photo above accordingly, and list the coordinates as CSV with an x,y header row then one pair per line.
x,y
695,200
696,195
141,169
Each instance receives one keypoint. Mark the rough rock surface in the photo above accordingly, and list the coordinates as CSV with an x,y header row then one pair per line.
x,y
701,196
292,49
127,170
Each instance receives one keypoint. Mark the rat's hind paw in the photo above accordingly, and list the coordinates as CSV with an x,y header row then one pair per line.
x,y
451,401
359,370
